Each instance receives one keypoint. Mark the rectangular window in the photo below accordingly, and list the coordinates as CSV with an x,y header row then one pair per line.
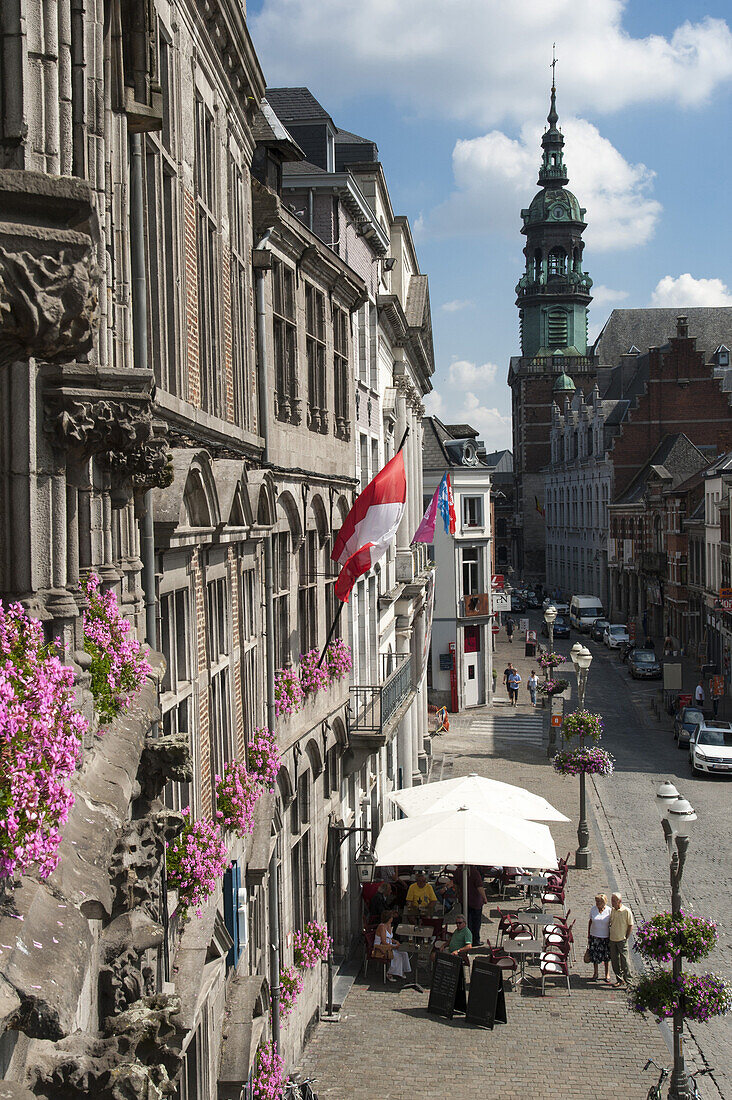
x,y
471,571
209,261
287,403
308,592
301,881
176,698
364,455
331,570
248,642
245,395
219,647
472,511
162,232
342,425
281,555
315,353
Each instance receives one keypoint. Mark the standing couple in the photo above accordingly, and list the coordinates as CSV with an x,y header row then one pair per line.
x,y
512,680
608,931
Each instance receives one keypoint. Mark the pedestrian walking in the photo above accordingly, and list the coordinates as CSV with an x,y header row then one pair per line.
x,y
532,684
699,695
510,624
507,672
621,928
514,682
598,936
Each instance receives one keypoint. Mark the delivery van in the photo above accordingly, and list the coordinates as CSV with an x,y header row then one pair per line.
x,y
583,610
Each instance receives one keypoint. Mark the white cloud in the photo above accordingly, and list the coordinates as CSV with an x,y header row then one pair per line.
x,y
685,290
605,296
430,56
491,173
457,304
458,402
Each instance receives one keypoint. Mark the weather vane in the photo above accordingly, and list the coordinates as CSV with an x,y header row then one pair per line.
x,y
554,63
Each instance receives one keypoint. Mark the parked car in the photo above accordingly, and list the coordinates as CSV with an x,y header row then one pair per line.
x,y
561,628
518,603
644,665
685,722
710,748
597,630
583,610
533,600
615,636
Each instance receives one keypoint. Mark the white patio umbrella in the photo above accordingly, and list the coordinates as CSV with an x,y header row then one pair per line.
x,y
467,837
475,792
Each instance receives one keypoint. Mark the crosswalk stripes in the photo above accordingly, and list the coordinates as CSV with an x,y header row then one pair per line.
x,y
526,729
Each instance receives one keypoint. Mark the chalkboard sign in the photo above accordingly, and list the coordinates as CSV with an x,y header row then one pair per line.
x,y
486,1000
447,991
446,662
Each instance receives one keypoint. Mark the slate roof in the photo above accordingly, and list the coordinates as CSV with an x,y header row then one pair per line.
x,y
303,168
352,139
675,457
435,455
646,328
297,105
267,129
721,465
462,431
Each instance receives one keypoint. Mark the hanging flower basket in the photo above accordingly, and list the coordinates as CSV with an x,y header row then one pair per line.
x,y
263,757
701,996
582,724
311,945
237,794
268,1075
552,687
338,659
666,937
312,676
118,669
40,741
549,661
590,761
288,692
290,989
196,860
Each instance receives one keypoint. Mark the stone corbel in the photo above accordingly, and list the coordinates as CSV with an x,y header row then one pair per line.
x,y
48,275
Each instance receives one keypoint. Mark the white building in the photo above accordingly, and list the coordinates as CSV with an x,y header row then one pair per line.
x,y
461,633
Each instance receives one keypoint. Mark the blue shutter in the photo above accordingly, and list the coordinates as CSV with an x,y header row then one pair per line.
x,y
232,879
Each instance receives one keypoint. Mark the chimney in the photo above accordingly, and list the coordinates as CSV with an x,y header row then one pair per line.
x,y
682,327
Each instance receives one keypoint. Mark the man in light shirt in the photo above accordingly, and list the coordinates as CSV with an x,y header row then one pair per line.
x,y
621,928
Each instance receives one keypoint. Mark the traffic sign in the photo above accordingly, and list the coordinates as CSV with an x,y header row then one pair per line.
x,y
556,719
726,603
725,593
497,580
496,628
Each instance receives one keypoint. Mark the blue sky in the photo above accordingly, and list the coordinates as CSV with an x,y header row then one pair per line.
x,y
455,94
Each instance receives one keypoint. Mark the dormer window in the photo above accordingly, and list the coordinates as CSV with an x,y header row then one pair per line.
x,y
330,152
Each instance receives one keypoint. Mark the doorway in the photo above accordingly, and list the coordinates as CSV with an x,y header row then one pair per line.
x,y
473,692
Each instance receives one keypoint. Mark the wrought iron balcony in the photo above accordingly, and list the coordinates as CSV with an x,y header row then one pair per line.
x,y
372,706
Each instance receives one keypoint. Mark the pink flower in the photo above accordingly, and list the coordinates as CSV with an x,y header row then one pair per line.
x,y
196,860
118,668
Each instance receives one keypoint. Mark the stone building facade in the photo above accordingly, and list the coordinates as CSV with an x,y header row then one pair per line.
x,y
179,358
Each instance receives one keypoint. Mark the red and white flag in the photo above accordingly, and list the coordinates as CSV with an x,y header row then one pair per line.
x,y
370,525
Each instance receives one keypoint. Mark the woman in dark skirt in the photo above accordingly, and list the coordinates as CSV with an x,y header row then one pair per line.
x,y
598,936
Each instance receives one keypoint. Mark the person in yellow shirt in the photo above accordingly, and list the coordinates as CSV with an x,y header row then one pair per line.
x,y
621,928
421,898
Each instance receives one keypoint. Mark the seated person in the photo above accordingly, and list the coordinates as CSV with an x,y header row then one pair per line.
x,y
460,941
383,899
446,892
421,898
385,946
399,886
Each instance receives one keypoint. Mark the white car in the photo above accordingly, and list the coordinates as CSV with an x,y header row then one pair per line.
x,y
710,748
562,608
615,636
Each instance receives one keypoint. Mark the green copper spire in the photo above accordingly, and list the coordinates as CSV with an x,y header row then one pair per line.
x,y
564,385
553,172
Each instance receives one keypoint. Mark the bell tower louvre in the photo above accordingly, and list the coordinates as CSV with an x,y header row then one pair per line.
x,y
552,297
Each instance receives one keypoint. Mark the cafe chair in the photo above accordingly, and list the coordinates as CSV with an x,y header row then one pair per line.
x,y
508,878
554,966
504,923
560,937
554,897
369,935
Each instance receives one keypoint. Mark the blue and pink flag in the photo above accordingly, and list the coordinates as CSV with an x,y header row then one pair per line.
x,y
446,504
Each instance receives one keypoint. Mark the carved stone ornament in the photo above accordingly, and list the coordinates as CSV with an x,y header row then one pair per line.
x,y
164,759
48,275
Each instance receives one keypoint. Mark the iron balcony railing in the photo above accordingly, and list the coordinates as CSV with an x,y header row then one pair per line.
x,y
372,705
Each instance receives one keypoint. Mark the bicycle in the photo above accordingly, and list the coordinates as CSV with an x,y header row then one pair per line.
x,y
654,1092
300,1090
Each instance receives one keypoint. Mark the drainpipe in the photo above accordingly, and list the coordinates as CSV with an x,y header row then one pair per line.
x,y
262,260
140,353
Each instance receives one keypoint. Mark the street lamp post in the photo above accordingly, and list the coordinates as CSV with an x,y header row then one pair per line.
x,y
677,819
549,618
582,659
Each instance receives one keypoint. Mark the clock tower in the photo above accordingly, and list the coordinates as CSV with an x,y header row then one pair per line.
x,y
552,297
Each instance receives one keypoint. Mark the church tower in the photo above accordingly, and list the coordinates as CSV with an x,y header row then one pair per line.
x,y
552,297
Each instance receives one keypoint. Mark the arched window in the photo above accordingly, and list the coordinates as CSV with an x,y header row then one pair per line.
x,y
557,261
537,265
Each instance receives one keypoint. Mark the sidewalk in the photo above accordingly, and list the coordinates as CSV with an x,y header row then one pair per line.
x,y
559,1045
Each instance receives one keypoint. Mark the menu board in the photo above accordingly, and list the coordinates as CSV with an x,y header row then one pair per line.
x,y
486,999
447,991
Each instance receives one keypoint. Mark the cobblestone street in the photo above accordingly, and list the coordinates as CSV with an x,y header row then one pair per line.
x,y
561,1044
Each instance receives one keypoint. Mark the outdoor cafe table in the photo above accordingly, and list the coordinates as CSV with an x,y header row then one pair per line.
x,y
418,935
533,883
523,948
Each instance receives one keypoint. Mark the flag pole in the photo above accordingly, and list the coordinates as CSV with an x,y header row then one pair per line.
x,y
404,439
